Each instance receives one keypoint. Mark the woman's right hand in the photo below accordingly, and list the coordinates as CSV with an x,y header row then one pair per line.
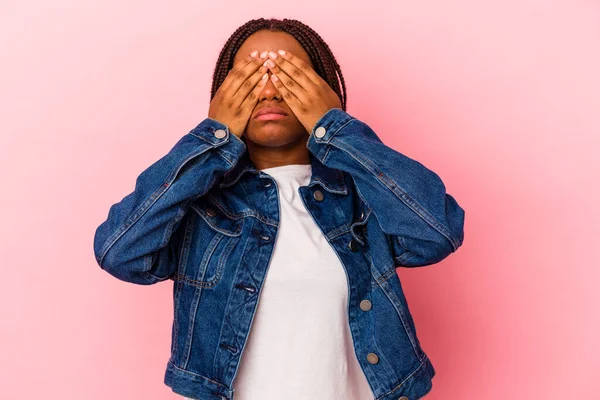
x,y
237,96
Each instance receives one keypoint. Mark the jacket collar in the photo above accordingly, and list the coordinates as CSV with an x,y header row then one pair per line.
x,y
330,179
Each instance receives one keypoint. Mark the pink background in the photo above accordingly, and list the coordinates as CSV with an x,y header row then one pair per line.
x,y
500,98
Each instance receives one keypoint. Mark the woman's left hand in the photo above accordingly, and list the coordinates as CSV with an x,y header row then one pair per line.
x,y
303,90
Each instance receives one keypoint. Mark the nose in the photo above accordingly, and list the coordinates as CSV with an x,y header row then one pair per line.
x,y
269,92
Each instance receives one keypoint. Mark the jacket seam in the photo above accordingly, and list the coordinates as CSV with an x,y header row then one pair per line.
x,y
404,257
339,129
419,367
185,372
404,196
400,312
385,276
148,203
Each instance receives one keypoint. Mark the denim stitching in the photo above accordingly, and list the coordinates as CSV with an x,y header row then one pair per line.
x,y
421,365
393,187
184,372
146,205
217,228
223,257
400,312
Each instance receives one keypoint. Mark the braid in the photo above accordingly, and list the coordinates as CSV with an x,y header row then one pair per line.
x,y
324,62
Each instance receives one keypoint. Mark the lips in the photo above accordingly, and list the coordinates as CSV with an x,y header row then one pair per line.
x,y
270,110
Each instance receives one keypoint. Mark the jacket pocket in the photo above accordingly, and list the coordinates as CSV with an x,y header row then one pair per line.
x,y
211,236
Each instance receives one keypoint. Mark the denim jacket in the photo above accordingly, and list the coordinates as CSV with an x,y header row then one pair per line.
x,y
204,217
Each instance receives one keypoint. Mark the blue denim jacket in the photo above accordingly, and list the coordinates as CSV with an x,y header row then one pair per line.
x,y
206,218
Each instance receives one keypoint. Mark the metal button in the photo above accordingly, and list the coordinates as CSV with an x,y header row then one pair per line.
x,y
403,398
320,132
352,245
365,305
362,214
372,358
220,133
318,195
211,212
267,184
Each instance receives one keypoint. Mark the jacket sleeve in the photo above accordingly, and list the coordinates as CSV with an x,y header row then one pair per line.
x,y
139,241
422,222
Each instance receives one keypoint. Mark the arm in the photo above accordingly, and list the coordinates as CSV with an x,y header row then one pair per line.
x,y
137,242
423,223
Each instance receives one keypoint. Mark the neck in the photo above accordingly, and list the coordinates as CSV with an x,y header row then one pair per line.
x,y
268,157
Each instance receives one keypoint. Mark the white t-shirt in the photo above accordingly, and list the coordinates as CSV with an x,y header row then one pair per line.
x,y
300,343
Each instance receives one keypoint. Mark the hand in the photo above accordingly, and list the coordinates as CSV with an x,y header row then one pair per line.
x,y
235,99
303,90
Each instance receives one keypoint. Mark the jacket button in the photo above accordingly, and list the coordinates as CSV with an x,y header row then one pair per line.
x,y
365,305
220,133
318,195
403,398
211,212
267,184
362,214
372,358
320,132
352,245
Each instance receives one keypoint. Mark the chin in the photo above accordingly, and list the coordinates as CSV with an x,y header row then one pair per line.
x,y
271,135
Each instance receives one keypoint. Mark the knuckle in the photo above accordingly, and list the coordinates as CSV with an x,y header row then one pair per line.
x,y
288,95
252,96
239,74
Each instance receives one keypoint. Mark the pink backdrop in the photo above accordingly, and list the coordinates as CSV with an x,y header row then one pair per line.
x,y
500,98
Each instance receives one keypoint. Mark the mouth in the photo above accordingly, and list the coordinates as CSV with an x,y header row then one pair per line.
x,y
270,117
270,114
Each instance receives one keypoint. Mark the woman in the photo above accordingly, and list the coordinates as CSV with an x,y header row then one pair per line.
x,y
280,178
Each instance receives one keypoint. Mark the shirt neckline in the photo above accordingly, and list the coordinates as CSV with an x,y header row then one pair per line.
x,y
289,168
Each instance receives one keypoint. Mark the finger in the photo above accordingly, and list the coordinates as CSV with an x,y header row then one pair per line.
x,y
248,85
240,71
240,78
290,84
288,96
252,98
236,67
298,75
302,66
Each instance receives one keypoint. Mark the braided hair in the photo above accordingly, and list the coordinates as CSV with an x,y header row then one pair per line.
x,y
325,64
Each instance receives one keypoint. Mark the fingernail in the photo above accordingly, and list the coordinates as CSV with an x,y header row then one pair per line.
x,y
265,76
263,54
254,53
282,52
274,77
271,63
272,55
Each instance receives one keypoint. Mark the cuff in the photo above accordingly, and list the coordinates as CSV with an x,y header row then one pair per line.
x,y
218,135
324,130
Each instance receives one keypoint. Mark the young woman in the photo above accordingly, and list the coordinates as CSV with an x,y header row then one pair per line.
x,y
280,195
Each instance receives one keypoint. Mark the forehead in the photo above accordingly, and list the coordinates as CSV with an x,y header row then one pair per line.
x,y
271,41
